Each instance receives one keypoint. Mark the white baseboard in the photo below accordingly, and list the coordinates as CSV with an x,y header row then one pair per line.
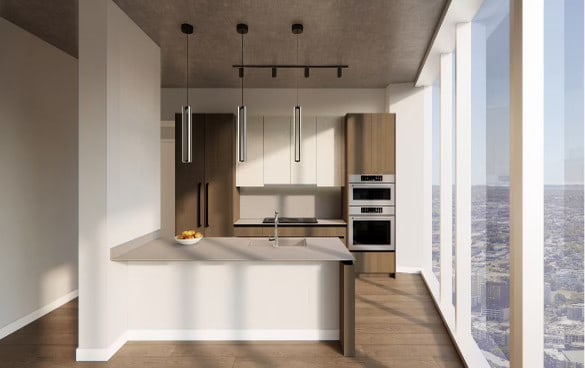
x,y
101,355
403,269
20,323
233,335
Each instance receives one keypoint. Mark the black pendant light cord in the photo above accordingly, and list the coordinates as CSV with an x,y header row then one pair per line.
x,y
242,69
187,70
297,74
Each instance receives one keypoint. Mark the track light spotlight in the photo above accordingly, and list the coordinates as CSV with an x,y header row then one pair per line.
x,y
306,72
339,72
273,72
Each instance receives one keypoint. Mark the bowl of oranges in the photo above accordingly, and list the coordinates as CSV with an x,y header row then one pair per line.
x,y
189,237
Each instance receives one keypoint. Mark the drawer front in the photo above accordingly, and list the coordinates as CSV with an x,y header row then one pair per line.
x,y
292,231
375,262
248,231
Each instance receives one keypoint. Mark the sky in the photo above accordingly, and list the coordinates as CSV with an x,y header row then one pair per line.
x,y
564,99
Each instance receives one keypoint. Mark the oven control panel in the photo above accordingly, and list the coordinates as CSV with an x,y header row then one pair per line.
x,y
371,178
371,210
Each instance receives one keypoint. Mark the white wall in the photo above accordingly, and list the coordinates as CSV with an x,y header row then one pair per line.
x,y
133,130
274,101
38,185
119,158
410,105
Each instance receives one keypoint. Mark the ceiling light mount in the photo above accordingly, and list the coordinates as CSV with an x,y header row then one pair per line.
x,y
242,28
187,28
297,28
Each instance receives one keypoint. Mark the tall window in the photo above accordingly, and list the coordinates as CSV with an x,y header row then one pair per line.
x,y
490,191
436,190
563,183
454,179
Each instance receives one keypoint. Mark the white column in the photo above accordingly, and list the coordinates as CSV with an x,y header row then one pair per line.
x,y
464,98
102,291
427,263
526,179
446,179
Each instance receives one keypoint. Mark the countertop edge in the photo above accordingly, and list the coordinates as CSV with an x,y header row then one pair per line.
x,y
140,253
125,248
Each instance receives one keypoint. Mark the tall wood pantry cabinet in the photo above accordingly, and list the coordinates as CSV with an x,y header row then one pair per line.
x,y
205,188
371,149
370,143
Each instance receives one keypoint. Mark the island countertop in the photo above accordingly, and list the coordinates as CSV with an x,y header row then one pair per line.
x,y
237,249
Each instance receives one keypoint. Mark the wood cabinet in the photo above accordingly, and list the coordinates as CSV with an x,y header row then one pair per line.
x,y
371,143
251,172
375,262
330,151
277,157
292,231
305,171
204,188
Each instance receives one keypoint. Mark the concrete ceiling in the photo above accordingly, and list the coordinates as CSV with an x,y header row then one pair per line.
x,y
382,41
54,21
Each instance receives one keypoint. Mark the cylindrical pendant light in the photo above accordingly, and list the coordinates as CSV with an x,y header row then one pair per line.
x,y
186,117
242,129
297,29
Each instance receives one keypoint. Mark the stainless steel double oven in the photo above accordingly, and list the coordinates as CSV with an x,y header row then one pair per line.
x,y
371,213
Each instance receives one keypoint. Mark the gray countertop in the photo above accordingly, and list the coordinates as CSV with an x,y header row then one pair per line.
x,y
237,249
320,222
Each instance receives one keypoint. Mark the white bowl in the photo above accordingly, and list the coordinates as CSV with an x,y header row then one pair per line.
x,y
187,241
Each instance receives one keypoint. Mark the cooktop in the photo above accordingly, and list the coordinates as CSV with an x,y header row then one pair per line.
x,y
291,220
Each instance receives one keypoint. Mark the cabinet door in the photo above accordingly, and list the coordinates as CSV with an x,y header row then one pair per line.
x,y
219,174
305,171
189,178
251,172
277,158
383,143
358,137
330,151
375,262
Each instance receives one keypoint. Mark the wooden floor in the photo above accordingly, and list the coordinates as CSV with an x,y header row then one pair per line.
x,y
396,321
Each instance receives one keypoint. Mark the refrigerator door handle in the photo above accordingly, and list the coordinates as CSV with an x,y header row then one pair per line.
x,y
199,205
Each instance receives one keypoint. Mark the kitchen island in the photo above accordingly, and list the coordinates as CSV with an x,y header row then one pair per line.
x,y
241,289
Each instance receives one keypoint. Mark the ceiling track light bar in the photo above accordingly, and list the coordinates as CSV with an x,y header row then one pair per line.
x,y
300,66
275,67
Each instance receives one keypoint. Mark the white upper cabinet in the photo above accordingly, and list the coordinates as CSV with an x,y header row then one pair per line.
x,y
251,172
330,154
271,152
277,157
305,171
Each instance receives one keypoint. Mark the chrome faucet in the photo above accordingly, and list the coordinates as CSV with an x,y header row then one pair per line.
x,y
275,239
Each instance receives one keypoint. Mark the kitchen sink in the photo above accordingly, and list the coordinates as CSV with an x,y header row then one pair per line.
x,y
282,242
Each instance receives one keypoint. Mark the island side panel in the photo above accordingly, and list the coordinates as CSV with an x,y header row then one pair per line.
x,y
234,300
347,308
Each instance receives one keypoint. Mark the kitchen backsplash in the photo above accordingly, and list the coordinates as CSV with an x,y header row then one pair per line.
x,y
290,201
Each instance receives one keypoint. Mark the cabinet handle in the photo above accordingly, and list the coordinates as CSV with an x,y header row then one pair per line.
x,y
199,205
297,126
206,204
186,139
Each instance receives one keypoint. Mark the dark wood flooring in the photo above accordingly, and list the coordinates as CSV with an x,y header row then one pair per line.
x,y
396,321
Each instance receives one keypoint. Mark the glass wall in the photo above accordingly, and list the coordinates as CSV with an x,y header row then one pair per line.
x,y
454,179
490,194
563,183
436,190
